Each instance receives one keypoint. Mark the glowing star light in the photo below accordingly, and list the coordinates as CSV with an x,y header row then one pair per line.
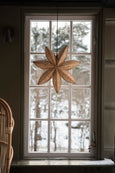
x,y
56,67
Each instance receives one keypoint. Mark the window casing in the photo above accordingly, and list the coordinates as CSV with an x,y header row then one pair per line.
x,y
59,125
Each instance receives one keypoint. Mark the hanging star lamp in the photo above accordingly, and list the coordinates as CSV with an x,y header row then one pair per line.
x,y
56,67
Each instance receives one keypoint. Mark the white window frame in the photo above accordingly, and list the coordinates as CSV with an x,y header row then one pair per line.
x,y
26,87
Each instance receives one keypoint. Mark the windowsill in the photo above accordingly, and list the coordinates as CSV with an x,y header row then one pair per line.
x,y
78,163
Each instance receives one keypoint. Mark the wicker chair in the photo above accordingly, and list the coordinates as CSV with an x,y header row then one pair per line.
x,y
6,127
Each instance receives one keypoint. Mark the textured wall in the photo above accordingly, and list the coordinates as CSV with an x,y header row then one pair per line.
x,y
9,67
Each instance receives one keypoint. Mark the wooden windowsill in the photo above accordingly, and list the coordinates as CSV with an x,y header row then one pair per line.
x,y
78,163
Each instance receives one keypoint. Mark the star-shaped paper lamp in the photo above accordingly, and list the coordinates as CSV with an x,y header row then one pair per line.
x,y
56,67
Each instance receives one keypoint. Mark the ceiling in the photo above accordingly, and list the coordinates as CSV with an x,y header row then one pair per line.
x,y
103,3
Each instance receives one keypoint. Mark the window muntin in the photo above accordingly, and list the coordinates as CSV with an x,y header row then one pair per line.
x,y
60,124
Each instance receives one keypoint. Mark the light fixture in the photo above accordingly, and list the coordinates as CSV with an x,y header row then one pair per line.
x,y
8,35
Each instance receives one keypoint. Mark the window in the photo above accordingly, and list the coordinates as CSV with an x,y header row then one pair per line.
x,y
59,125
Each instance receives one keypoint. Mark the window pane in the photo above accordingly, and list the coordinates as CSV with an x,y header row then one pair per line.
x,y
39,36
82,73
81,36
59,104
36,57
80,106
59,136
38,138
80,136
35,72
38,107
61,38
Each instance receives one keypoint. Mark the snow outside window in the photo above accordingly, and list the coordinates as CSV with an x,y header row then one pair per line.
x,y
59,125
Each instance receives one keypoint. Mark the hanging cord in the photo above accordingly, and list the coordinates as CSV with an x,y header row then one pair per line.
x,y
57,34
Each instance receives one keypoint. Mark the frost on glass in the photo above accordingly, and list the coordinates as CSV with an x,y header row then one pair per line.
x,y
38,137
39,36
60,35
38,104
82,73
59,104
80,103
81,39
80,136
58,136
36,72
